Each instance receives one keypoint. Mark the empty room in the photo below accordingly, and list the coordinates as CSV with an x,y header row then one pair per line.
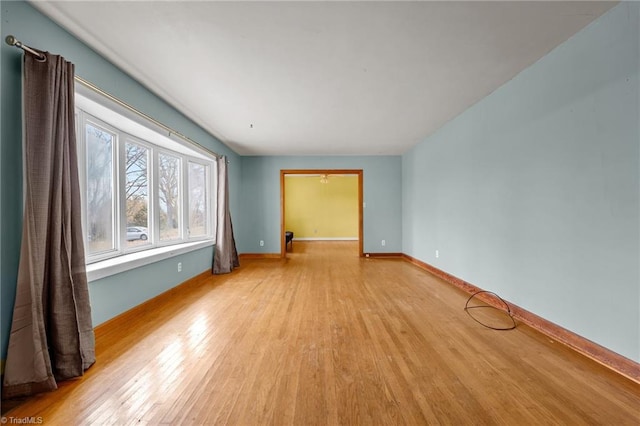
x,y
301,212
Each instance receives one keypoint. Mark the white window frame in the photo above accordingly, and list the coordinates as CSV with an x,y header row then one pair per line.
x,y
81,136
209,194
92,107
181,197
123,196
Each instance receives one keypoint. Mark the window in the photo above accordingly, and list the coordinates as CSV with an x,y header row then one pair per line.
x,y
100,200
136,193
198,200
169,196
141,189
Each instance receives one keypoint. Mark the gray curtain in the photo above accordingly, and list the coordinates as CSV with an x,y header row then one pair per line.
x,y
51,333
225,257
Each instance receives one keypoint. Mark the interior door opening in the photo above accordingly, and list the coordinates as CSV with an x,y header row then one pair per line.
x,y
323,177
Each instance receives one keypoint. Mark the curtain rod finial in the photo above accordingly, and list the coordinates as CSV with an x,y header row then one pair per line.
x,y
11,40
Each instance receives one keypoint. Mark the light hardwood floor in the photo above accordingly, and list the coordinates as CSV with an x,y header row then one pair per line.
x,y
325,337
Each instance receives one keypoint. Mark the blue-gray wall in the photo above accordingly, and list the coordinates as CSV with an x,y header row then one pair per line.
x,y
533,193
260,210
113,295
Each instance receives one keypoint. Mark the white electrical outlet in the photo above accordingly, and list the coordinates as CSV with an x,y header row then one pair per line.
x,y
437,254
179,266
384,243
261,243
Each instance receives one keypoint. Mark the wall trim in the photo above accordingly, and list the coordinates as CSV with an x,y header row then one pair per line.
x,y
384,255
614,361
259,256
307,239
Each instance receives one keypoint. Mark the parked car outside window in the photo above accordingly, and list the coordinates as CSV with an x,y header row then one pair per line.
x,y
137,233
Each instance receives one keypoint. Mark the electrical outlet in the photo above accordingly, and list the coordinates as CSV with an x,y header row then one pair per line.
x,y
261,243
384,243
437,254
179,266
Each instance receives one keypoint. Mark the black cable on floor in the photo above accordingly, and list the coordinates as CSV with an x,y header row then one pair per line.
x,y
467,308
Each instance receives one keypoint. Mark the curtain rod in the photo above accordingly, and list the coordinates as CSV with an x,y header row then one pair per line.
x,y
168,129
12,41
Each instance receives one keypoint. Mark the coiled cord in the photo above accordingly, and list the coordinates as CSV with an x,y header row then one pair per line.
x,y
467,308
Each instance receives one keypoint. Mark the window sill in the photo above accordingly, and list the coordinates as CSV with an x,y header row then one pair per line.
x,y
119,264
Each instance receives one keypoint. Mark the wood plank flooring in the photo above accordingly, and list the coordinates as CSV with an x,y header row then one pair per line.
x,y
325,337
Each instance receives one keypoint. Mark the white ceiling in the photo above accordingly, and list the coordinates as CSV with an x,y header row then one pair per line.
x,y
322,78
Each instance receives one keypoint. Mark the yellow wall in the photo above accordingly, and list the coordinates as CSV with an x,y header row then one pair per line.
x,y
321,210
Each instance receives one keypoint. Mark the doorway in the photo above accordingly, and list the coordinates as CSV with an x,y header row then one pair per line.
x,y
325,173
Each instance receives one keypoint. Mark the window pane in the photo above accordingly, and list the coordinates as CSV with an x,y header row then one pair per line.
x,y
169,196
197,199
137,194
100,199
